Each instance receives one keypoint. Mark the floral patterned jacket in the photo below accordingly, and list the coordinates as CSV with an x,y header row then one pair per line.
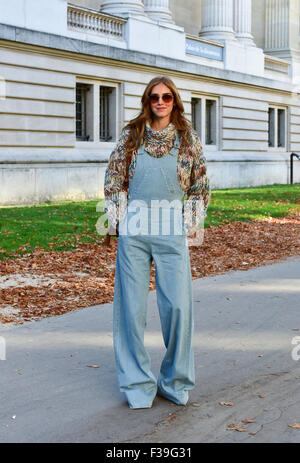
x,y
191,172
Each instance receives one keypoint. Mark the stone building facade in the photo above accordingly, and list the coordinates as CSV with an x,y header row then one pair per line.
x,y
72,74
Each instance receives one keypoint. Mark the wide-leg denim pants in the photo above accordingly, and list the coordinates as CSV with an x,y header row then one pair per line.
x,y
140,243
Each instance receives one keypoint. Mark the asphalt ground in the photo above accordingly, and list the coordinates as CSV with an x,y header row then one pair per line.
x,y
58,380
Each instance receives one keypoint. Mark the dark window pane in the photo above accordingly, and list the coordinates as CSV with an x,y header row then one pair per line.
x,y
196,115
281,128
211,135
81,99
105,113
271,127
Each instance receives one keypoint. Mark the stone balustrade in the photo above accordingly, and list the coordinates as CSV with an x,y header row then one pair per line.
x,y
86,20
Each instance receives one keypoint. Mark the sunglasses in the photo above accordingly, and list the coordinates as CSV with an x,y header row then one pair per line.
x,y
166,97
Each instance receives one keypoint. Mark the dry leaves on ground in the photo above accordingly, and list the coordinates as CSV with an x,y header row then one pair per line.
x,y
239,427
43,284
294,425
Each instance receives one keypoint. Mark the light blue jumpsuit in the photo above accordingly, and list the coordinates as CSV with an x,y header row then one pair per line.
x,y
154,178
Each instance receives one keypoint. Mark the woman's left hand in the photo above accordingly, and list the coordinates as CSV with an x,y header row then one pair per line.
x,y
196,237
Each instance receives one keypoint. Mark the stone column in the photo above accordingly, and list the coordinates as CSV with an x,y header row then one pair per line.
x,y
158,10
242,21
122,8
217,19
277,24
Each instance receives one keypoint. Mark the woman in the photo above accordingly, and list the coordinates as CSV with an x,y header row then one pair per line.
x,y
160,157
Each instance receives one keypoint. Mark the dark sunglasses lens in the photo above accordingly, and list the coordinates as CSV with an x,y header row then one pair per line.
x,y
167,98
154,98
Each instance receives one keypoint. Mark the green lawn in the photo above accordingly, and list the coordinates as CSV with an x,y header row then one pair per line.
x,y
246,204
61,225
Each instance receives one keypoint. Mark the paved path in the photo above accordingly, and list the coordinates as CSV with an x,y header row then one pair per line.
x,y
244,325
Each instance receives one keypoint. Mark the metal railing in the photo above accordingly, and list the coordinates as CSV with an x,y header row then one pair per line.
x,y
296,155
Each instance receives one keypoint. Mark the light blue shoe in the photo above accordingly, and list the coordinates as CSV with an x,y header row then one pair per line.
x,y
139,406
141,397
181,398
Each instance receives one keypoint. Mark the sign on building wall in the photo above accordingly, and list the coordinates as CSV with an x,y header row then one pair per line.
x,y
206,50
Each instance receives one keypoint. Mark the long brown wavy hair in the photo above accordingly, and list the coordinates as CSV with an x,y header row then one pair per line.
x,y
137,125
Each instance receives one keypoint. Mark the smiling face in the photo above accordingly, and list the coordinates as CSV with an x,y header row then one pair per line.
x,y
161,108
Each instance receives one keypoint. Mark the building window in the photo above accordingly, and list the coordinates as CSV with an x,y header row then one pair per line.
x,y
97,117
107,111
82,111
204,120
277,127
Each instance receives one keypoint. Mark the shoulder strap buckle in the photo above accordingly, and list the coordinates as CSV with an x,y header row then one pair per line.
x,y
141,150
176,145
177,140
